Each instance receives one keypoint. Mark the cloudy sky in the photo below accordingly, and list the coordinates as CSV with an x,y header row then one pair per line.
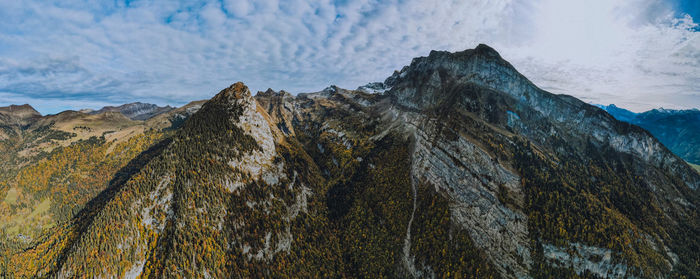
x,y
638,54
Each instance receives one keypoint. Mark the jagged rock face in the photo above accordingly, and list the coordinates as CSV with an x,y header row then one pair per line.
x,y
473,180
431,82
480,82
446,101
455,166
278,106
374,88
477,84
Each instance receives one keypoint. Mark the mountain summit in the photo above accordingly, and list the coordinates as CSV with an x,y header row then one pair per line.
x,y
455,166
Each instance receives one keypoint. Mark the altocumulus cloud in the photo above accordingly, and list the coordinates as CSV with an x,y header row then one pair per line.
x,y
75,54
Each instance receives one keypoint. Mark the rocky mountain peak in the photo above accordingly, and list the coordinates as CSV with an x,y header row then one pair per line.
x,y
234,93
481,66
267,93
479,81
374,88
272,93
242,108
239,90
480,59
482,50
331,89
486,50
619,113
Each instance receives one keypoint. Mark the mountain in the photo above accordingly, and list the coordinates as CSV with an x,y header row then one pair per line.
x,y
51,166
14,117
619,113
455,166
679,130
20,115
135,111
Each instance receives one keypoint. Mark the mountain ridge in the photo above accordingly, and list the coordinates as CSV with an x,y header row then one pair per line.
x,y
457,165
677,129
136,110
487,68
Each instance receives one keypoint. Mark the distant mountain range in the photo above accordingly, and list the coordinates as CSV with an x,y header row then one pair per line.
x,y
679,130
456,166
136,111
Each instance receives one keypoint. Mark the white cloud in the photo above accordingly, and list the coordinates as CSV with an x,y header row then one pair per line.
x,y
238,8
632,53
608,52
